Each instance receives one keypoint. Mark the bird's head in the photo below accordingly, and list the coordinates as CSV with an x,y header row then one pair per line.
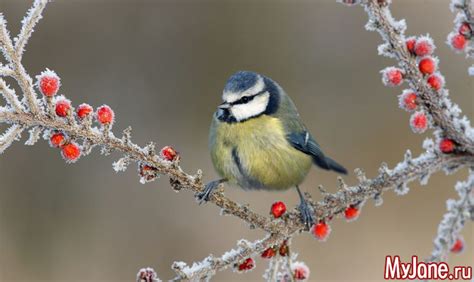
x,y
248,95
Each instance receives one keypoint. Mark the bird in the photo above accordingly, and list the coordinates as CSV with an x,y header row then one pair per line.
x,y
258,141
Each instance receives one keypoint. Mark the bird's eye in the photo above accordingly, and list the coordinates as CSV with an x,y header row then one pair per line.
x,y
245,99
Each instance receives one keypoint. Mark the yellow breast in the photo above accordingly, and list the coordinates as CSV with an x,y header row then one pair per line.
x,y
256,154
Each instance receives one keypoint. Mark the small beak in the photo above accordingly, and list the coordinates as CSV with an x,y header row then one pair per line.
x,y
223,111
223,106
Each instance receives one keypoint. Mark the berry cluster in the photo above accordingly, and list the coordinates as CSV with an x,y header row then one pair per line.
x,y
421,49
48,83
459,38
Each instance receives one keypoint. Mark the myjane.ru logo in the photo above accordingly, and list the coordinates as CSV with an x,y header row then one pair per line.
x,y
395,269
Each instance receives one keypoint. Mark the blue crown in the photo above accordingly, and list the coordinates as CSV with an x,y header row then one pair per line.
x,y
241,81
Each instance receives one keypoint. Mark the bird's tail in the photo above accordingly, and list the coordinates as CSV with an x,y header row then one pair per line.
x,y
329,164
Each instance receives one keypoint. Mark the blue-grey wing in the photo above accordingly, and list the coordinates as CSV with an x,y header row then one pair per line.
x,y
304,142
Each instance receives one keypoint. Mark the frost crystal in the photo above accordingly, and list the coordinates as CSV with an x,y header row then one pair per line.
x,y
121,164
402,189
35,135
11,134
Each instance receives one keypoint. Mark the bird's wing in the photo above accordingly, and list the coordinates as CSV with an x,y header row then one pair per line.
x,y
301,139
304,142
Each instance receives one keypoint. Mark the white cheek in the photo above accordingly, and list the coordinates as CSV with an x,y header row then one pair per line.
x,y
250,109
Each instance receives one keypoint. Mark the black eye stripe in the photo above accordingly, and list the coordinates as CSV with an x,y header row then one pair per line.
x,y
247,99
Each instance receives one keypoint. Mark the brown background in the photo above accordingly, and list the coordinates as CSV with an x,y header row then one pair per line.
x,y
162,66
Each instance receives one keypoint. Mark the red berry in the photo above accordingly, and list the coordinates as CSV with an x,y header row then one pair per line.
x,y
407,100
465,29
268,253
57,140
458,42
321,231
48,83
458,246
410,43
300,271
84,110
71,152
246,265
427,65
147,173
168,153
147,274
435,81
419,122
105,115
62,107
284,249
392,76
278,209
446,146
351,213
424,46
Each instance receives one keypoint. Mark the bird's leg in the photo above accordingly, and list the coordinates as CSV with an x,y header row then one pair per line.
x,y
305,210
209,188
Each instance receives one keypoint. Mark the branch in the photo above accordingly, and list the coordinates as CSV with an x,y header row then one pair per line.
x,y
33,16
333,205
458,212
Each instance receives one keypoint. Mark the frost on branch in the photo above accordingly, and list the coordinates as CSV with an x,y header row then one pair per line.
x,y
458,213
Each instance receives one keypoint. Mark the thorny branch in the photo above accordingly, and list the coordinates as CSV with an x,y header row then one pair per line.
x,y
55,116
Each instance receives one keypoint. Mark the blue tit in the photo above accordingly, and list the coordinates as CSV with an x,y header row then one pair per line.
x,y
258,141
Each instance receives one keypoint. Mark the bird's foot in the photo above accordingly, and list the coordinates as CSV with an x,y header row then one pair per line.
x,y
306,213
209,188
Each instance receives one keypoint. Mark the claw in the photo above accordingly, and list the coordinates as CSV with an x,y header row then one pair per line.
x,y
210,187
306,214
305,210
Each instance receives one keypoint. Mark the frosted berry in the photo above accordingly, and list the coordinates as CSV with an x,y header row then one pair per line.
x,y
458,42
147,173
147,274
410,43
419,122
62,107
351,213
321,231
392,76
284,249
424,46
246,265
427,65
458,246
278,209
465,29
71,152
407,100
168,153
268,253
435,81
300,271
84,110
48,83
57,139
105,115
446,146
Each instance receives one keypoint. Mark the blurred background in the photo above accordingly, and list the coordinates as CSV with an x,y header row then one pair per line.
x,y
162,66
